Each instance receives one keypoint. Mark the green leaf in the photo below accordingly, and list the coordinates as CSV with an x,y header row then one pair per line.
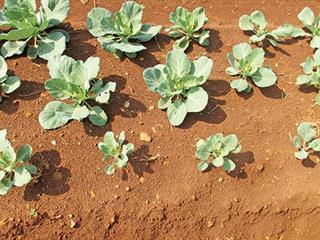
x,y
302,79
154,77
21,177
110,170
255,59
296,141
245,23
55,11
199,17
11,84
32,169
241,51
9,48
177,111
128,148
129,47
307,131
58,88
230,142
5,186
24,153
92,66
204,38
306,16
315,42
55,115
202,166
132,10
316,57
197,99
202,67
258,18
228,165
99,22
264,77
80,113
52,45
6,149
315,145
2,175
61,67
147,32
218,161
32,53
298,32
181,44
19,3
104,92
164,103
284,31
178,62
308,65
203,152
3,68
302,154
240,85
19,34
97,116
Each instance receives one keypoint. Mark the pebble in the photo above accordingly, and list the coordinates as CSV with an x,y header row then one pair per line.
x,y
145,137
220,179
142,179
259,168
210,224
28,114
72,223
128,189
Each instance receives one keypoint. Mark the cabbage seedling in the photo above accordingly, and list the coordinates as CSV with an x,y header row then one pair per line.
x,y
123,32
312,24
306,140
215,150
178,83
311,76
188,25
76,81
256,23
248,63
27,26
8,84
116,151
14,167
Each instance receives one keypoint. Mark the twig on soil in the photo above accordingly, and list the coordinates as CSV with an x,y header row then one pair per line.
x,y
30,94
158,43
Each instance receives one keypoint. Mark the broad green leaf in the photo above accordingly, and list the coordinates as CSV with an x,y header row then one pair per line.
x,y
97,116
181,44
298,32
199,17
58,88
3,68
2,175
11,48
19,34
315,42
197,99
128,148
258,18
241,51
122,137
315,145
218,161
110,141
55,115
164,103
154,77
284,31
11,84
32,52
21,177
178,62
316,57
202,166
6,148
177,111
52,45
296,141
132,10
55,11
256,59
230,142
103,94
245,23
32,169
306,16
147,32
80,113
302,79
257,39
204,38
228,165
18,3
202,151
24,153
65,33
307,131
202,67
129,47
264,77
308,65
302,154
110,170
92,66
232,71
240,85
5,186
99,22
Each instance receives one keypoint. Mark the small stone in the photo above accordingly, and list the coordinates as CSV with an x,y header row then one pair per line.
x,y
259,168
72,223
128,189
210,223
194,198
151,108
113,219
220,179
142,179
28,114
116,197
145,137
54,142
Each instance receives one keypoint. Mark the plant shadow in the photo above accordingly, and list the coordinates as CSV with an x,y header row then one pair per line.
x,y
241,159
273,92
215,41
51,179
308,89
140,160
213,113
28,90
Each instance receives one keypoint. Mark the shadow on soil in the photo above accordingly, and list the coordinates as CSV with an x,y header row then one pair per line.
x,y
241,159
308,163
140,160
52,179
27,91
213,113
121,104
273,92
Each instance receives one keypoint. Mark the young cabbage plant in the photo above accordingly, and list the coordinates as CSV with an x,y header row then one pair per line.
x,y
32,29
311,76
306,140
312,24
256,23
116,151
215,150
188,25
76,81
14,167
122,33
8,84
248,63
178,83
